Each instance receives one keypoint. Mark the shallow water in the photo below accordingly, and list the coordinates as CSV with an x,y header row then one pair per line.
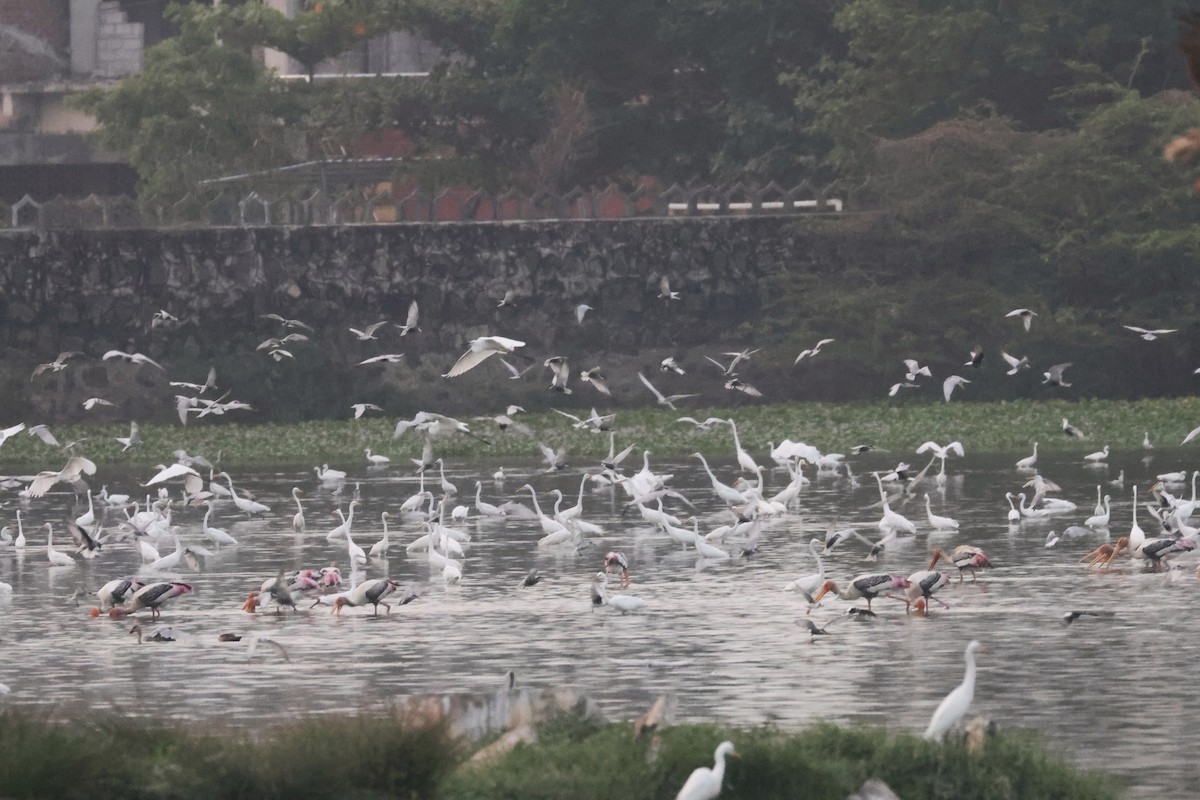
x,y
1108,693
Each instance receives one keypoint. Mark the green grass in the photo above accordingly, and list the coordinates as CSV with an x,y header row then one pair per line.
x,y
377,757
822,762
352,757
1002,426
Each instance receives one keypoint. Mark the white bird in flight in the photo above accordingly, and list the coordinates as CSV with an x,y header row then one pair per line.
x,y
1015,365
663,400
133,358
410,324
664,290
1025,314
1150,335
369,331
482,349
952,383
390,358
914,369
812,351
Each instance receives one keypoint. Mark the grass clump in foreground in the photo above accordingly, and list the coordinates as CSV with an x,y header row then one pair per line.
x,y
1002,426
824,762
378,757
348,757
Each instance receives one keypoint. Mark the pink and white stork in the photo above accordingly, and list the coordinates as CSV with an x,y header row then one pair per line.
x,y
866,587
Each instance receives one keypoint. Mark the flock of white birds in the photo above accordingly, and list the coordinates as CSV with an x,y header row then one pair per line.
x,y
115,520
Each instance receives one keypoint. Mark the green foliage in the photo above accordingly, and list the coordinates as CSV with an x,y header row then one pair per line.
x,y
113,757
1010,425
822,762
911,64
197,110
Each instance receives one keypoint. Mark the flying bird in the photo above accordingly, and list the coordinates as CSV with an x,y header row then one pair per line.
x,y
1015,365
482,349
369,331
952,383
581,310
1054,375
664,290
514,373
389,358
132,440
362,408
410,324
274,343
913,370
507,300
1149,335
133,358
287,323
92,402
669,364
561,370
1025,314
7,433
739,385
57,365
812,351
596,379
663,400
976,359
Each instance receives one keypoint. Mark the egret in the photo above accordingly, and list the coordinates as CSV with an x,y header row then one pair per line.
x,y
625,603
938,522
705,783
480,350
954,707
1029,462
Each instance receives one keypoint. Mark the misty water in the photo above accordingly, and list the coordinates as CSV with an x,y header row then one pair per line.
x,y
1110,693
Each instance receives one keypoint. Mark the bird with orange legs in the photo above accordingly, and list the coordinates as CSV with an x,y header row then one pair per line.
x,y
1155,551
866,587
966,557
922,585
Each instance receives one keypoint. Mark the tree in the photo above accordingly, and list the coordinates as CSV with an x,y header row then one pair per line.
x,y
912,63
197,110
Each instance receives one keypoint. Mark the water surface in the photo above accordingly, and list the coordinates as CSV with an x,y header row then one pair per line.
x,y
1109,693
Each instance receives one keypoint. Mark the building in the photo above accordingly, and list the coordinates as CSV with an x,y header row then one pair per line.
x,y
50,49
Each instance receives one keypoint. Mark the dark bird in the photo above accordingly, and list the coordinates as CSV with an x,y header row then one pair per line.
x,y
813,630
532,579
1070,616
976,359
1070,431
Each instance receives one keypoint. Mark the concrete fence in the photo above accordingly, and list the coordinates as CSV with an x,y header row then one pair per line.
x,y
228,206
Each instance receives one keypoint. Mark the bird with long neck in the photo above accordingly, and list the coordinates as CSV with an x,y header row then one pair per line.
x,y
954,707
866,587
724,491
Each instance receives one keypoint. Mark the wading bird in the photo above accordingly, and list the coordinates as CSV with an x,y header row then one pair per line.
x,y
954,707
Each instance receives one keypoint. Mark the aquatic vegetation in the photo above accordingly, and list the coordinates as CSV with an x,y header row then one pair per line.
x,y
1001,426
379,756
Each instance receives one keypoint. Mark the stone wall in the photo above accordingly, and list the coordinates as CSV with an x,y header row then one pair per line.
x,y
99,290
